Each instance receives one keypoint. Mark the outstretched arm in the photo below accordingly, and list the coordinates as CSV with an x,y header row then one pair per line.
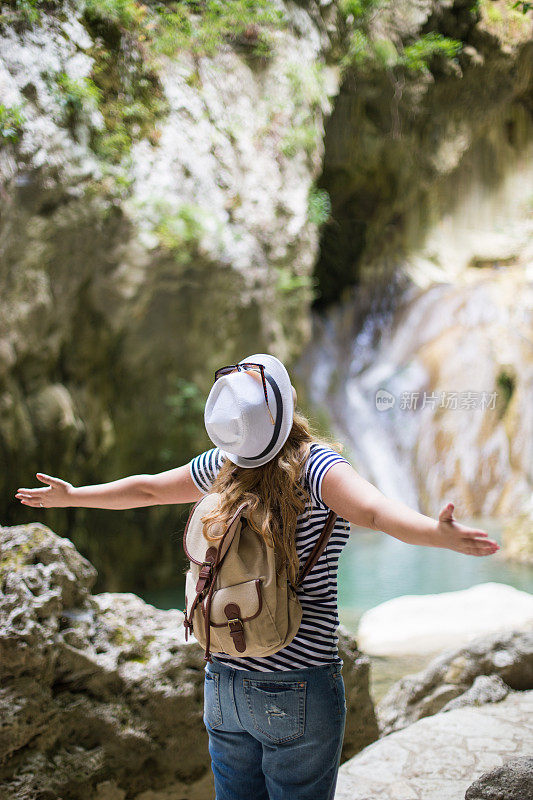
x,y
135,491
360,502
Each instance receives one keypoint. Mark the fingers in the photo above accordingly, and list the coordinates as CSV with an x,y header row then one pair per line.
x,y
33,497
481,538
31,494
479,546
35,502
474,541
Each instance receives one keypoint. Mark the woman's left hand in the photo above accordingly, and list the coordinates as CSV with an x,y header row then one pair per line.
x,y
454,536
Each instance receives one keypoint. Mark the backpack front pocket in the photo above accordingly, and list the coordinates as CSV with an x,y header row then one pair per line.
x,y
241,621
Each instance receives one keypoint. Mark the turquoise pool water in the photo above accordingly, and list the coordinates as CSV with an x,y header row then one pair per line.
x,y
375,567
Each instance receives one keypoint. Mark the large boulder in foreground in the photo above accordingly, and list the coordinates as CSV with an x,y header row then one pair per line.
x,y
438,758
428,623
482,671
99,693
101,698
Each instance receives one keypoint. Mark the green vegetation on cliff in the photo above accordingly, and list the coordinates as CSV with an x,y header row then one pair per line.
x,y
318,206
129,39
11,122
366,51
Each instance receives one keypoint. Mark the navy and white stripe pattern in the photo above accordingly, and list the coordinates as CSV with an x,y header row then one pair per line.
x,y
316,641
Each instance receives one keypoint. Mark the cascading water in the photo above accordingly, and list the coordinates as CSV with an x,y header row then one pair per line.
x,y
462,333
345,384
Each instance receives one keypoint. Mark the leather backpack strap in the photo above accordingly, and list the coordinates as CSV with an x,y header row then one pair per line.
x,y
319,547
221,553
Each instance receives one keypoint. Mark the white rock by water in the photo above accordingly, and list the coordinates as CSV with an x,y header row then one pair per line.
x,y
427,623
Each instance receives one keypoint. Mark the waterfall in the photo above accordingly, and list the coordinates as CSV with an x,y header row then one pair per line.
x,y
463,325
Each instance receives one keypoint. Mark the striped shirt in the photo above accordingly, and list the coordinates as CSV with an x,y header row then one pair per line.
x,y
316,641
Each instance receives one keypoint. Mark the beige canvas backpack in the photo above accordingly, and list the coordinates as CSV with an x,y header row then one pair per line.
x,y
235,603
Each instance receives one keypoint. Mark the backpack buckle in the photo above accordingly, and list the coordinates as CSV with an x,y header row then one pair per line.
x,y
236,629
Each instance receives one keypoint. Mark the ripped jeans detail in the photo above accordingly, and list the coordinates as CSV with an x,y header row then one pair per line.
x,y
277,711
273,710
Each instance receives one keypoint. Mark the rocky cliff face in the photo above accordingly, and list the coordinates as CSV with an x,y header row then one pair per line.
x,y
162,196
148,235
403,147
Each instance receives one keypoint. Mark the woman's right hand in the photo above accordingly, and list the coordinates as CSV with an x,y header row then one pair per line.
x,y
55,495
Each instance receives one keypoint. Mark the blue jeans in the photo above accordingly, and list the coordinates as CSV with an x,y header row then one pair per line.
x,y
274,735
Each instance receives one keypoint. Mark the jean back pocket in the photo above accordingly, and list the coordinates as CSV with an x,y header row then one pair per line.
x,y
277,709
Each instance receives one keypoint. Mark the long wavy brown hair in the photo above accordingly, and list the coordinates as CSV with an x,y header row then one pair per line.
x,y
274,491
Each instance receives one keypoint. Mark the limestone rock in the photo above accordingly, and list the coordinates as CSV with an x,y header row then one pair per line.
x,y
101,698
361,723
512,781
439,756
111,271
427,623
97,691
453,679
485,689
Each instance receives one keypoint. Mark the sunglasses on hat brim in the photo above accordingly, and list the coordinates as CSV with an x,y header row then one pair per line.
x,y
245,367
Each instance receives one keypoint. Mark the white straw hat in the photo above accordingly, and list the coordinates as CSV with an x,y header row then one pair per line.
x,y
237,418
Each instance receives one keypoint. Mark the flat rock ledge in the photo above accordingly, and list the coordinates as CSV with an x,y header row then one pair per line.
x,y
440,757
100,696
